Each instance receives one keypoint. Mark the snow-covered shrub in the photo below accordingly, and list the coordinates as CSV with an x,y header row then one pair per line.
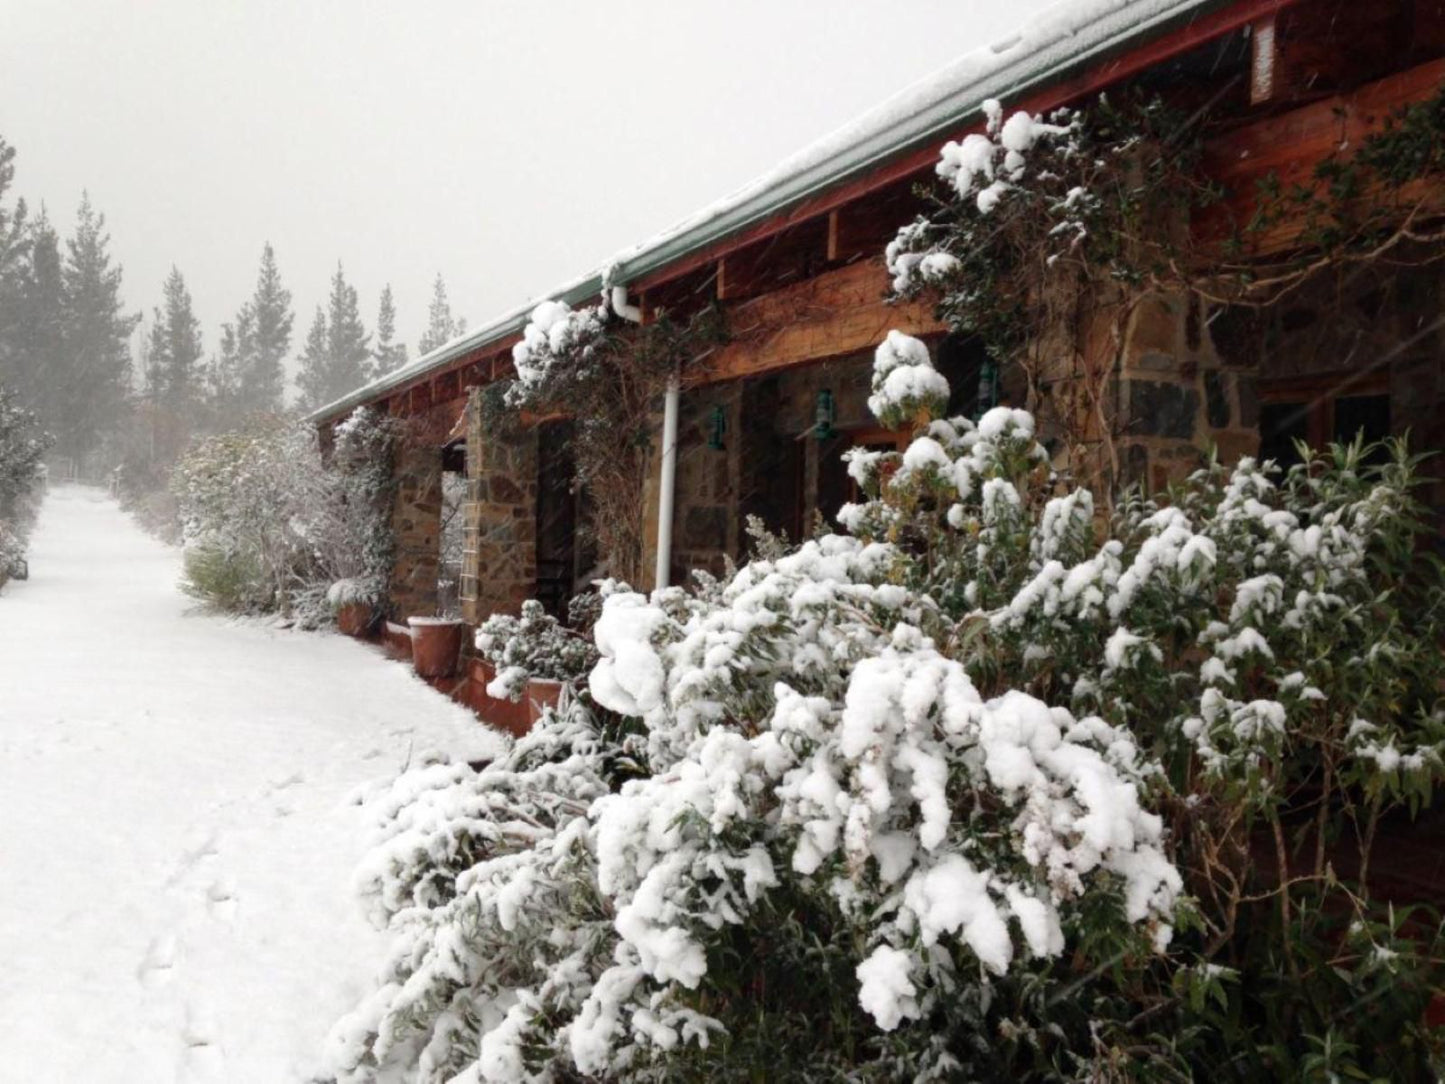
x,y
1274,638
22,479
557,345
828,852
486,881
347,515
533,644
270,525
12,553
924,801
235,494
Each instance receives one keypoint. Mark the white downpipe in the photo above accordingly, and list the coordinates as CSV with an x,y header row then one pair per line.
x,y
622,308
667,485
668,481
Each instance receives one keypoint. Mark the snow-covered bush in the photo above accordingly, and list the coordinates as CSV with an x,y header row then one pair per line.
x,y
557,346
828,852
12,553
22,479
347,516
924,801
1274,638
270,525
533,644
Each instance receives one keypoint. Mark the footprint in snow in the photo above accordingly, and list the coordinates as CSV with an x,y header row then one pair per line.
x,y
293,780
156,969
221,898
189,859
204,1060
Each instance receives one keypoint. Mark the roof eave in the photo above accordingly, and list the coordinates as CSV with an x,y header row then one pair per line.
x,y
1110,33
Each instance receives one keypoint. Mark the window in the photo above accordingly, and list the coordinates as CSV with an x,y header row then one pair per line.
x,y
1319,412
557,518
971,373
835,486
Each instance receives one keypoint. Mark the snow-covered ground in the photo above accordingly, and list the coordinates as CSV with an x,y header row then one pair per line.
x,y
176,840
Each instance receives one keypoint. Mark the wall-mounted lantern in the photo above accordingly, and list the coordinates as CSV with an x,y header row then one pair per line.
x,y
717,428
987,386
825,413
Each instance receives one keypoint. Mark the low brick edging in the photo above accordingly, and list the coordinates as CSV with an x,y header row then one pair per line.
x,y
395,640
509,715
468,687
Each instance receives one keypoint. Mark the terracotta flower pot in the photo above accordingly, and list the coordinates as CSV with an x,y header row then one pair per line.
x,y
354,618
436,645
542,693
509,715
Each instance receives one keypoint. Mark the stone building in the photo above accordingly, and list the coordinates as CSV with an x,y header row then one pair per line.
x,y
794,262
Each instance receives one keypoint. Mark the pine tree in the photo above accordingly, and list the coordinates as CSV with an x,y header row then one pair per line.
x,y
337,361
388,355
346,337
312,379
14,247
263,376
441,328
96,386
229,370
174,380
40,374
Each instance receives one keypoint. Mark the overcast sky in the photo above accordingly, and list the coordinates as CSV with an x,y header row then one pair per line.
x,y
509,146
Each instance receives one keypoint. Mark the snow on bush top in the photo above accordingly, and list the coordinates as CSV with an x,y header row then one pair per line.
x,y
554,333
987,164
1020,156
905,383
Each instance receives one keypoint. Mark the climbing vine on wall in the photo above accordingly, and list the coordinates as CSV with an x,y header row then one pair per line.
x,y
1042,224
607,376
1046,233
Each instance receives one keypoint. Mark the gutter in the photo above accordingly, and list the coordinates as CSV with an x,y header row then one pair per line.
x,y
927,111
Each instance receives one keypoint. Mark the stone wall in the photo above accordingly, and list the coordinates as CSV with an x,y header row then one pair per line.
x,y
769,463
1178,396
416,523
1194,377
499,565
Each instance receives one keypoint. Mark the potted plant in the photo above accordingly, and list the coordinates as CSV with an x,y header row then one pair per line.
x,y
526,661
354,605
436,645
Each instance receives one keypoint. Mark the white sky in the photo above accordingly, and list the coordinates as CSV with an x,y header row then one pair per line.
x,y
507,144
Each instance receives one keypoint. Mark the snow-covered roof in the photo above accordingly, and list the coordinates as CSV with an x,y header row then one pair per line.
x,y
1053,42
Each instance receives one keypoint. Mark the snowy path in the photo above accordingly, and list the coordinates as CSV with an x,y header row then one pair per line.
x,y
176,845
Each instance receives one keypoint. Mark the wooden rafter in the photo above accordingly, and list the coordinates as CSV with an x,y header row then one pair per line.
x,y
833,314
1288,146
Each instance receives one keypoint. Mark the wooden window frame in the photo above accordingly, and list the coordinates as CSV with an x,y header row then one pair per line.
x,y
1317,395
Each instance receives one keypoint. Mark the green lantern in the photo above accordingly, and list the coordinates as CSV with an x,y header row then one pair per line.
x,y
825,413
717,429
987,386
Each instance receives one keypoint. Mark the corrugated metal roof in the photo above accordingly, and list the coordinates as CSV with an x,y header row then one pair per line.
x,y
1056,41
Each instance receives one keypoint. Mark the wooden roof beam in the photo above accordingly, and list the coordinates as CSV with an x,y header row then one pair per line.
x,y
839,312
1290,145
